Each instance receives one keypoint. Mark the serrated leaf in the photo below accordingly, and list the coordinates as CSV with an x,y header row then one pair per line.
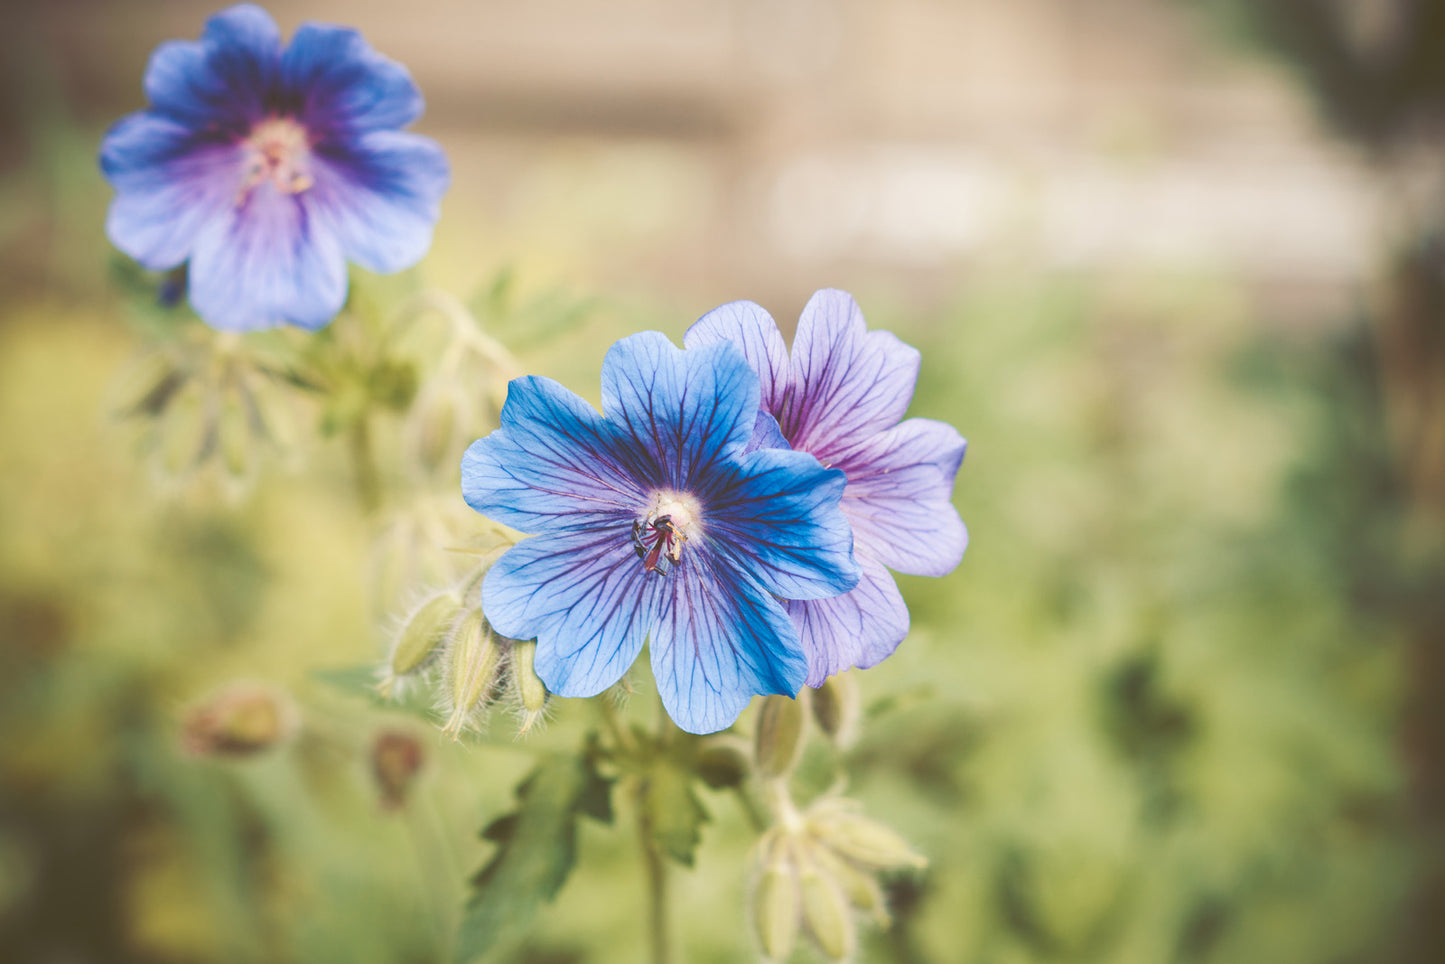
x,y
536,849
673,812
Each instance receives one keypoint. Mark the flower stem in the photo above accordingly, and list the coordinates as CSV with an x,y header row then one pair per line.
x,y
363,460
657,904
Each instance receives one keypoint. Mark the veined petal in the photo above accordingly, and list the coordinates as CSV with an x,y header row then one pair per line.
x,y
898,497
859,628
555,463
753,330
225,79
334,80
169,181
688,409
848,382
766,434
775,514
264,263
719,639
584,598
381,195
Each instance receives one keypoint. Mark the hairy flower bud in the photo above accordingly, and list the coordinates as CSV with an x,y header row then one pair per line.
x,y
530,688
836,708
836,823
858,885
825,911
422,633
396,758
472,658
779,738
531,691
723,763
240,719
776,901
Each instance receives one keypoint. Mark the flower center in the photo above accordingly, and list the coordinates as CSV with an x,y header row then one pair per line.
x,y
277,150
659,534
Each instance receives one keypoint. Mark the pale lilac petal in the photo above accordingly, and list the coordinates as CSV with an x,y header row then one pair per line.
x,y
753,330
266,263
848,382
859,628
898,499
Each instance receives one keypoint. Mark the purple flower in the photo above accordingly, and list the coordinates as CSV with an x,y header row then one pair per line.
x,y
268,168
653,522
841,397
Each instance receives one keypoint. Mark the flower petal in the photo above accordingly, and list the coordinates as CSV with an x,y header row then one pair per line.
x,y
222,80
380,193
766,434
720,639
898,497
689,409
752,329
848,382
859,628
554,463
583,596
169,181
333,79
775,514
267,261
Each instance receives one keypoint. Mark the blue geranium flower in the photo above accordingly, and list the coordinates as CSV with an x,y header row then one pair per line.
x,y
654,522
841,397
267,168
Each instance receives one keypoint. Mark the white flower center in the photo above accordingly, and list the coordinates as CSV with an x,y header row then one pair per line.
x,y
659,534
277,150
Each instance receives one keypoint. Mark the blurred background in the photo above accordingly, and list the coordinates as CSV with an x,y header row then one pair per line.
x,y
1176,271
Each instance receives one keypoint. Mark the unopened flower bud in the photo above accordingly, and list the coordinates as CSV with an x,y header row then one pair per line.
x,y
396,758
825,911
779,739
422,633
858,838
836,708
530,688
858,885
239,720
472,658
776,902
723,763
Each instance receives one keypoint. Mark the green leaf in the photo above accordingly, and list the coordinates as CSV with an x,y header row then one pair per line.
x,y
673,812
536,849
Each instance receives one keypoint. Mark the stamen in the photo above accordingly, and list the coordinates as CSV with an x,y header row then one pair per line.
x,y
278,150
659,534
